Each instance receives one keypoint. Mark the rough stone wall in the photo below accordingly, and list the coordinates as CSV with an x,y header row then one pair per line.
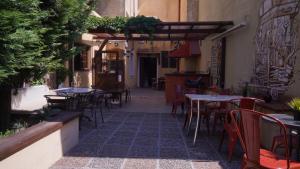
x,y
277,43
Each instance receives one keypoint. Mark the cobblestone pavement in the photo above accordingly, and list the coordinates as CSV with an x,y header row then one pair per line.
x,y
132,138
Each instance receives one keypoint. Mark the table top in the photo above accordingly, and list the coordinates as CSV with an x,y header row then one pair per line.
x,y
287,120
202,97
74,90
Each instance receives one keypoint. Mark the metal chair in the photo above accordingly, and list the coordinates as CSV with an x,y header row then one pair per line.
x,y
179,100
244,103
58,102
247,126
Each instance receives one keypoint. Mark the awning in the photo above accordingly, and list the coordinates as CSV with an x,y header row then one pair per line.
x,y
188,49
171,31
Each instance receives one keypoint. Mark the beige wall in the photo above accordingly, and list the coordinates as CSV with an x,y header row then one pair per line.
x,y
240,44
166,10
45,152
240,50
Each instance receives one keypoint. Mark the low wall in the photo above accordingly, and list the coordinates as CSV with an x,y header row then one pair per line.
x,y
29,98
41,145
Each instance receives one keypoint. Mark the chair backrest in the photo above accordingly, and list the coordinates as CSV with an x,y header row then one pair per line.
x,y
247,124
179,94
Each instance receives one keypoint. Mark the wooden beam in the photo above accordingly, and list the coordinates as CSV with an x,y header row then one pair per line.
x,y
153,38
103,44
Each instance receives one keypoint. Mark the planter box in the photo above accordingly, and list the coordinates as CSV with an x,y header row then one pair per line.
x,y
41,145
30,98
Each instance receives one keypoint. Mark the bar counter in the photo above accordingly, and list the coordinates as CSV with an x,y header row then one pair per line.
x,y
179,78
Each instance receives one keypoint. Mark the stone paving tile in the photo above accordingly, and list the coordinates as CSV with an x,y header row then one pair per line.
x,y
120,140
173,153
94,138
208,164
174,164
72,162
171,142
140,163
148,134
118,151
84,150
145,141
130,138
143,152
106,163
125,133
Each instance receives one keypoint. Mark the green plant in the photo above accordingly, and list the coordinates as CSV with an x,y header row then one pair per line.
x,y
295,104
139,24
6,133
107,24
61,74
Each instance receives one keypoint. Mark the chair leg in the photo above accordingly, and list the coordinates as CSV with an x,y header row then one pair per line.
x,y
101,111
222,140
186,119
214,124
207,125
231,146
182,108
95,117
174,109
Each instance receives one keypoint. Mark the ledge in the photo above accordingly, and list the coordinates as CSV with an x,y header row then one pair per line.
x,y
19,141
275,106
187,74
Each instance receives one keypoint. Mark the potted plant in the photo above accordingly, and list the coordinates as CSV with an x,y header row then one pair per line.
x,y
295,105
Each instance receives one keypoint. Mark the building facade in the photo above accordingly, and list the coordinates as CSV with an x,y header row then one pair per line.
x,y
241,56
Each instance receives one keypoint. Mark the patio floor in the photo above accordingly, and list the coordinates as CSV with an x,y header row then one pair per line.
x,y
142,134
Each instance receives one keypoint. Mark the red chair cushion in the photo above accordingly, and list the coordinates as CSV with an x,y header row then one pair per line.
x,y
272,161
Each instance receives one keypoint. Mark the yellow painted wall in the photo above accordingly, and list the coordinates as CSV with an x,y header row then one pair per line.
x,y
240,50
240,45
166,10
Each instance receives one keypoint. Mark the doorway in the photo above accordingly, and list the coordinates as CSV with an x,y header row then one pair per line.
x,y
148,70
109,70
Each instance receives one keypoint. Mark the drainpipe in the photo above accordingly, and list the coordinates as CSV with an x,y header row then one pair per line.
x,y
179,10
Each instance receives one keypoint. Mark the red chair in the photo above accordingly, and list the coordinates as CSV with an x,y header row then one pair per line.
x,y
221,110
244,103
179,99
278,142
247,126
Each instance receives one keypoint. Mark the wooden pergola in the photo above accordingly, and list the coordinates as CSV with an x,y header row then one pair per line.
x,y
171,31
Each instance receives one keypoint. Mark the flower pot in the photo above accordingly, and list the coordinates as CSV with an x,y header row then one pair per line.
x,y
296,115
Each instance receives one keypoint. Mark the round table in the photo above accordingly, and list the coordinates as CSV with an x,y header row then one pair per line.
x,y
290,123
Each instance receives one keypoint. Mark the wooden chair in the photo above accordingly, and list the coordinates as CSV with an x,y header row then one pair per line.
x,y
247,126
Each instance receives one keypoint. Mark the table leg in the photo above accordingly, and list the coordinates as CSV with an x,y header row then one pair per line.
x,y
191,116
298,148
197,125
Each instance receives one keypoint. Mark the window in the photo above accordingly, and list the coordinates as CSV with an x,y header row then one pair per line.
x,y
81,60
167,62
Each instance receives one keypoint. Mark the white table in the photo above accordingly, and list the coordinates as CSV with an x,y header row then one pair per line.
x,y
206,98
73,90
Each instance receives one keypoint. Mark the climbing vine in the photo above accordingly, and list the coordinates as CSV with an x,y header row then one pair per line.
x,y
128,26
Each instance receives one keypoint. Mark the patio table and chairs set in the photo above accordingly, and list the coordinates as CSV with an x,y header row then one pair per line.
x,y
241,124
82,99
